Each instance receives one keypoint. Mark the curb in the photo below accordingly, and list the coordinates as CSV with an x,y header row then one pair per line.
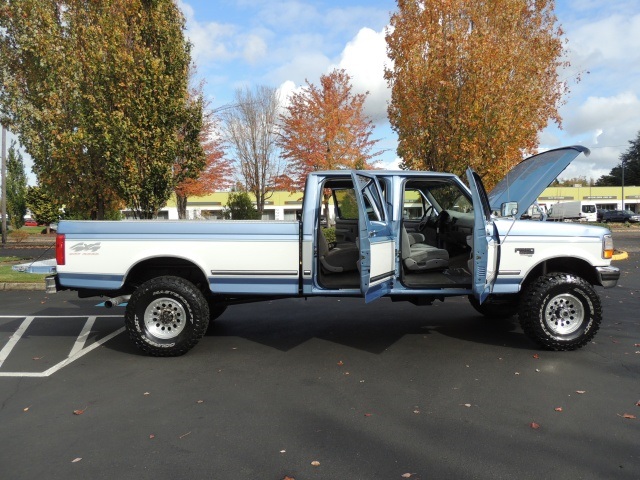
x,y
620,255
22,286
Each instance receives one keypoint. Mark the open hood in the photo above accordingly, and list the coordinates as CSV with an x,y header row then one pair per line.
x,y
526,181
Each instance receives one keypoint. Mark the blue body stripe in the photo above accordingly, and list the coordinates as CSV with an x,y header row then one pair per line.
x,y
254,285
91,281
179,228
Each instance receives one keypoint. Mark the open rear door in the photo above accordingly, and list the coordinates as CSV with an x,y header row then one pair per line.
x,y
486,253
377,246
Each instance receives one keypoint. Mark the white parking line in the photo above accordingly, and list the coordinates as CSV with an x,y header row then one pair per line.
x,y
6,350
78,350
86,330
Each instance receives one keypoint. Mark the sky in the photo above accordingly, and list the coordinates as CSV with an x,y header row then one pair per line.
x,y
282,43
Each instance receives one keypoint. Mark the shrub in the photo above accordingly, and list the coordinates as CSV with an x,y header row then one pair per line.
x,y
329,234
18,235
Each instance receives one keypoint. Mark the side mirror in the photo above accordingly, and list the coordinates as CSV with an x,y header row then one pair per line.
x,y
509,209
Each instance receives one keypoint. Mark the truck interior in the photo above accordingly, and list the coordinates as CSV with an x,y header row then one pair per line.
x,y
338,256
435,232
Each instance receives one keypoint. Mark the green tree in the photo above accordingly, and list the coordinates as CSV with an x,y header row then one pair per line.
x,y
473,82
97,92
16,187
240,207
44,208
631,162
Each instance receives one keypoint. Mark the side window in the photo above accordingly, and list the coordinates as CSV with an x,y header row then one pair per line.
x,y
346,204
373,202
413,205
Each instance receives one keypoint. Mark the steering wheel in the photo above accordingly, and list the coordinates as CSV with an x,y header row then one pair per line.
x,y
425,218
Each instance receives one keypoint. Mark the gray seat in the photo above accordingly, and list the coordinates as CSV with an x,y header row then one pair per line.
x,y
338,259
418,256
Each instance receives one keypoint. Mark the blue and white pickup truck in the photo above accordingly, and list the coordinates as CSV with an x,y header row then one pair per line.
x,y
413,236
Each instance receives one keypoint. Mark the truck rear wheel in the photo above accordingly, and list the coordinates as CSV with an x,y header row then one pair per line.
x,y
560,311
167,316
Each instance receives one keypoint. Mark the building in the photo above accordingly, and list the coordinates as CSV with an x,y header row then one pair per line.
x,y
279,206
288,206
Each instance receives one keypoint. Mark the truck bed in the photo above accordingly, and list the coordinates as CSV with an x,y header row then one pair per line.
x,y
236,257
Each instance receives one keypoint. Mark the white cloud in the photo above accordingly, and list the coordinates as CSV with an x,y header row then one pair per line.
x,y
255,48
215,42
603,109
606,40
364,59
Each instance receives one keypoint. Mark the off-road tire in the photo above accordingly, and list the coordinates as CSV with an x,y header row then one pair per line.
x,y
560,311
167,316
494,308
216,309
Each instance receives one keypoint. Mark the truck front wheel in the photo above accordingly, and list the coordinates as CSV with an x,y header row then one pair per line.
x,y
166,316
560,311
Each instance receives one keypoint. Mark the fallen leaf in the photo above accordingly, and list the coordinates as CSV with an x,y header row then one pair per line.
x,y
152,436
558,409
581,391
315,463
340,363
534,425
406,475
79,412
76,460
286,477
146,393
638,403
416,412
368,414
536,356
517,373
26,409
636,344
628,415
200,401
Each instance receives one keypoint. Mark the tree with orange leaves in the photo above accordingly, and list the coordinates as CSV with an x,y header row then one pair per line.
x,y
217,171
473,83
325,128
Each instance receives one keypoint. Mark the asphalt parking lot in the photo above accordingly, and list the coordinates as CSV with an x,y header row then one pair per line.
x,y
319,389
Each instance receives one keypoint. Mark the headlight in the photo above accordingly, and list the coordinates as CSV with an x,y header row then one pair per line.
x,y
607,246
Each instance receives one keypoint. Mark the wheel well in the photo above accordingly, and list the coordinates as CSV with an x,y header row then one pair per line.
x,y
161,266
575,266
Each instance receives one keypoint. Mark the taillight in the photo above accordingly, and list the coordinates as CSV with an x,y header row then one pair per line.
x,y
60,249
607,247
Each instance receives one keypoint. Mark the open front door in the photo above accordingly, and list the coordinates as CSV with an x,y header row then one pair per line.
x,y
486,243
377,246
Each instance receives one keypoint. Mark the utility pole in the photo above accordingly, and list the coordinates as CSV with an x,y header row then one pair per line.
x,y
3,175
622,162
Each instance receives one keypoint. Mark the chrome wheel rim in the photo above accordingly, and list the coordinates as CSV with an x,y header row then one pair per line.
x,y
165,318
564,314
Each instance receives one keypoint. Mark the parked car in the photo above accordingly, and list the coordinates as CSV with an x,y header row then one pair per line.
x,y
620,216
30,223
